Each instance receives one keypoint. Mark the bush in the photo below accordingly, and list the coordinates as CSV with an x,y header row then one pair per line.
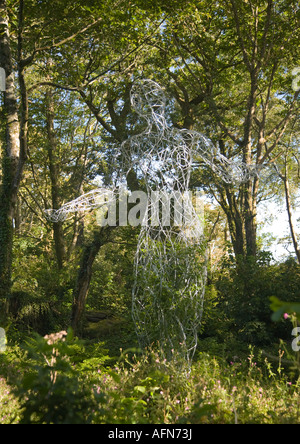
x,y
149,389
8,404
63,383
247,391
244,298
51,390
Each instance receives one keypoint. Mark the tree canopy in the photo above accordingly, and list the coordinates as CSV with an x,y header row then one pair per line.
x,y
229,70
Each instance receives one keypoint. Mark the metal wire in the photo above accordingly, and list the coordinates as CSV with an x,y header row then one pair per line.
x,y
90,201
170,261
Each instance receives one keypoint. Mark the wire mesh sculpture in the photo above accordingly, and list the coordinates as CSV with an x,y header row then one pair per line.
x,y
93,200
170,261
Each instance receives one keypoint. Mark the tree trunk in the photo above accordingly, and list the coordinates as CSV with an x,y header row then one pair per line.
x,y
14,145
58,233
248,190
10,158
229,204
289,211
250,221
101,237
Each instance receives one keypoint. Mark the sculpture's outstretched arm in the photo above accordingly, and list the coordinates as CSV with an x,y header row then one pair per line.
x,y
230,171
93,200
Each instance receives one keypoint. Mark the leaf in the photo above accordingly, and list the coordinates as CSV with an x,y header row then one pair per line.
x,y
140,388
281,307
115,376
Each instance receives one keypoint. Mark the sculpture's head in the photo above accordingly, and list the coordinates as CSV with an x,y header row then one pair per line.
x,y
148,100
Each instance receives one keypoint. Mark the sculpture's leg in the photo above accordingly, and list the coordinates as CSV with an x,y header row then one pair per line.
x,y
168,295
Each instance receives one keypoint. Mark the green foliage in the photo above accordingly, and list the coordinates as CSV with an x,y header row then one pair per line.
x,y
52,391
8,404
111,287
145,389
155,384
280,308
245,289
171,307
247,391
209,57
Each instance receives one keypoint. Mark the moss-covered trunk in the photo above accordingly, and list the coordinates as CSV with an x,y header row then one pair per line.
x,y
13,145
10,157
101,236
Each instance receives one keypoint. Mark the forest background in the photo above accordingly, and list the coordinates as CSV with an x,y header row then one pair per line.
x,y
230,70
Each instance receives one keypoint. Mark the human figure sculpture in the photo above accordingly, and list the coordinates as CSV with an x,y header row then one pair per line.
x,y
170,262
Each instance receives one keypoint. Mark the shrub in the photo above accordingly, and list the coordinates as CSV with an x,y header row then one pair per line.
x,y
8,404
51,390
62,383
244,297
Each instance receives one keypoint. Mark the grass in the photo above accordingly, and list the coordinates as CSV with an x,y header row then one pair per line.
x,y
9,406
147,389
244,392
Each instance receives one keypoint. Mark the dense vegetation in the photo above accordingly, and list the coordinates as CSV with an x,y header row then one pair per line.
x,y
228,69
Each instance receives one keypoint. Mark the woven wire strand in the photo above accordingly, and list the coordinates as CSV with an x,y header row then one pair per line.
x,y
170,261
